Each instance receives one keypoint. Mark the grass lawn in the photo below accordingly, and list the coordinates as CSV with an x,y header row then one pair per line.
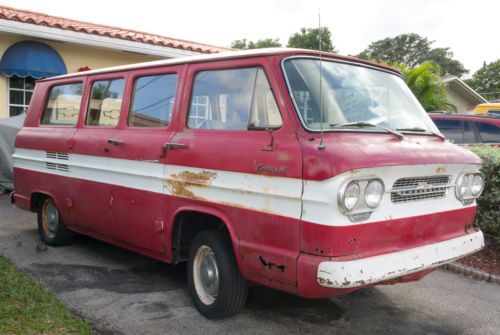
x,y
27,308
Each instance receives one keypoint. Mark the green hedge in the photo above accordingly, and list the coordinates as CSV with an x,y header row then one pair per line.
x,y
488,211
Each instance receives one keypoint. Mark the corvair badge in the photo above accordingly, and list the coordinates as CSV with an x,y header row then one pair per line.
x,y
424,186
270,169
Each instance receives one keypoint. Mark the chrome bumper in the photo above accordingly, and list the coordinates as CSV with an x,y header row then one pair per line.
x,y
365,271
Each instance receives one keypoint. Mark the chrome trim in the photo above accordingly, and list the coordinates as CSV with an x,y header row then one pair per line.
x,y
395,190
361,207
467,200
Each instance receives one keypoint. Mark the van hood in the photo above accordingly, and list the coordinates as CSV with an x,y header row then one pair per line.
x,y
347,151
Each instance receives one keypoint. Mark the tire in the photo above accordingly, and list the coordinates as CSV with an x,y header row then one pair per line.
x,y
51,227
217,288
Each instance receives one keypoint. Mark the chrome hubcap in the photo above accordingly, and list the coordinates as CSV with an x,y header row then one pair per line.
x,y
50,218
206,275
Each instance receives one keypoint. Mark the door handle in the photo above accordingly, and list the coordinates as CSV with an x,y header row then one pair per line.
x,y
171,146
115,141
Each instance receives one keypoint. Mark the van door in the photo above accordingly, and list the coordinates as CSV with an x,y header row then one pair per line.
x,y
98,125
238,154
137,157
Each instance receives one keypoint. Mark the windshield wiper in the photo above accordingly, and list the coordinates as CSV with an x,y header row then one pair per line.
x,y
368,124
422,130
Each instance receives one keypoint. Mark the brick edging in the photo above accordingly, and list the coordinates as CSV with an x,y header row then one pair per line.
x,y
471,272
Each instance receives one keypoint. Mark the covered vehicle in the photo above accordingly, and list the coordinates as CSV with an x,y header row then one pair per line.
x,y
9,128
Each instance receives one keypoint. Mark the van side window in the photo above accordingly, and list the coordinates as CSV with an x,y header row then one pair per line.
x,y
105,102
63,105
236,99
152,101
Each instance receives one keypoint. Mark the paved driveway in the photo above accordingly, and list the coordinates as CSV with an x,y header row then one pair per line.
x,y
121,292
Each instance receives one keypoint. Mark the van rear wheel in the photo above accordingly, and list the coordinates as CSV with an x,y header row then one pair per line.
x,y
217,288
51,228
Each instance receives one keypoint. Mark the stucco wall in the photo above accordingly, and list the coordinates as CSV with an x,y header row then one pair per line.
x,y
463,105
74,56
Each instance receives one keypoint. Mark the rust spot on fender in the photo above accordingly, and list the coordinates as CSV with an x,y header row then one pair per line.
x,y
180,183
271,265
441,169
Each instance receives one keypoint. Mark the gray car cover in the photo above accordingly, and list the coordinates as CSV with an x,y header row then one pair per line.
x,y
8,131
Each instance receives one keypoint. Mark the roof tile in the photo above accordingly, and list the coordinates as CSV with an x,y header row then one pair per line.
x,y
25,16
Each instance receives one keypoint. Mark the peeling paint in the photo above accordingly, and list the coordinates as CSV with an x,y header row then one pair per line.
x,y
271,265
179,183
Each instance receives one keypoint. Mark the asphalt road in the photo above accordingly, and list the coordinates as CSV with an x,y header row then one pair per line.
x,y
121,292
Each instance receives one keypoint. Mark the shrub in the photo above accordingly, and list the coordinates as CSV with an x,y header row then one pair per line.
x,y
488,211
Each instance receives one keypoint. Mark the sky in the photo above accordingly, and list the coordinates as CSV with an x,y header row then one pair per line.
x,y
469,28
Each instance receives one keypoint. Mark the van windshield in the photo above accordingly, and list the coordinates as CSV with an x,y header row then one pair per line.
x,y
353,96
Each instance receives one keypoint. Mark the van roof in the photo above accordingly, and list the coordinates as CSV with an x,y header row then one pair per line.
x,y
226,55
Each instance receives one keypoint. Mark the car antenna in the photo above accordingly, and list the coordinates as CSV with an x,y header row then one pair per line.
x,y
321,145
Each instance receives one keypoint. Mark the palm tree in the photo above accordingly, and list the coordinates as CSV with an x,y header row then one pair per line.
x,y
425,83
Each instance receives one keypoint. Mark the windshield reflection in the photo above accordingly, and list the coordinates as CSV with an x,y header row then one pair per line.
x,y
351,94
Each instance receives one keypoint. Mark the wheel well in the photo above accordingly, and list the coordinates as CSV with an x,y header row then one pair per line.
x,y
186,225
36,198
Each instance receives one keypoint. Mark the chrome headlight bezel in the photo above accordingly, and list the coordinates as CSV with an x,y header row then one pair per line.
x,y
463,186
360,211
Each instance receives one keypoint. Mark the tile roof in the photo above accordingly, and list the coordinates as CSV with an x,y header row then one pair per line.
x,y
41,19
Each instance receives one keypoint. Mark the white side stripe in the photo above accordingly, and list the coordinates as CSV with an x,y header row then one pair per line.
x,y
276,195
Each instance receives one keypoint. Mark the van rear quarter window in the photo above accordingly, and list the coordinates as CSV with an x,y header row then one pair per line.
x,y
153,100
63,105
105,102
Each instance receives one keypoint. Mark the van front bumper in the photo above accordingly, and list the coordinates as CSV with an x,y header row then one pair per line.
x,y
371,270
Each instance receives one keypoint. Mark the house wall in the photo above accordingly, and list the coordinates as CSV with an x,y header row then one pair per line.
x,y
74,56
463,105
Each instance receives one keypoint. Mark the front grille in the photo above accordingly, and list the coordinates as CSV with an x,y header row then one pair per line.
x,y
419,188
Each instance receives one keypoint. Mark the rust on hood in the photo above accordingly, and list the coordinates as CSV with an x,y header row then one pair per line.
x,y
441,169
180,183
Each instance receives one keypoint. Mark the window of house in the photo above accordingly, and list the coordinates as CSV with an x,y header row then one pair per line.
x,y
152,101
20,91
236,99
105,102
63,105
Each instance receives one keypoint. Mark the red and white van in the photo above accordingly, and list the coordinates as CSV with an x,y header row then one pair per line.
x,y
310,173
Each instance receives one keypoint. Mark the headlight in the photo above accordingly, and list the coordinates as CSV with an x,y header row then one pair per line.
x,y
469,187
477,184
351,196
463,186
373,193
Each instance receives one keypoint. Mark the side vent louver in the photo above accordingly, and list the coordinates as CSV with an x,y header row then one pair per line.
x,y
57,156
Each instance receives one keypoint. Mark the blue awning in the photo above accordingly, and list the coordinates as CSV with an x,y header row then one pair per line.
x,y
31,59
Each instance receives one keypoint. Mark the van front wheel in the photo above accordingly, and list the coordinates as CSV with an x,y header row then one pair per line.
x,y
216,286
50,225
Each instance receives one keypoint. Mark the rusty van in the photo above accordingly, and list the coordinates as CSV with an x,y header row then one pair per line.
x,y
307,172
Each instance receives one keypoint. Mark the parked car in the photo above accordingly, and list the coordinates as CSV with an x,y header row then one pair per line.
x,y
488,108
468,128
313,175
